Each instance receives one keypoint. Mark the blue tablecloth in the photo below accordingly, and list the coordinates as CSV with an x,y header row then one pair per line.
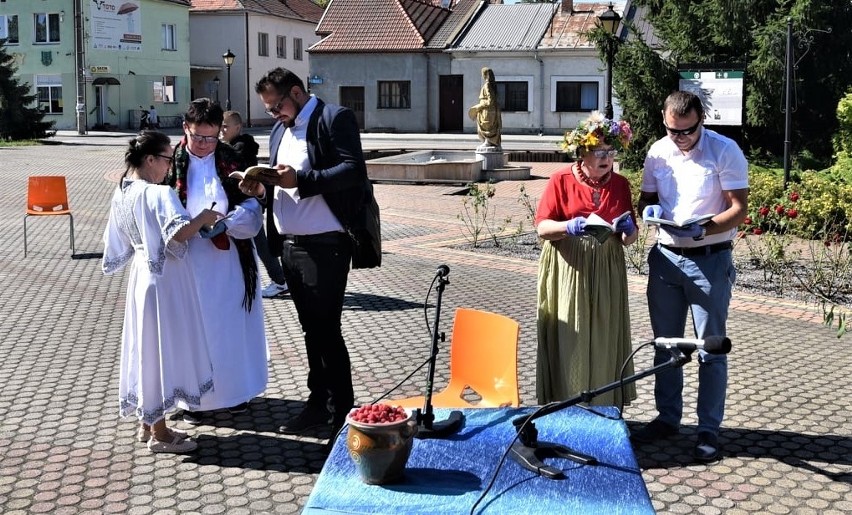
x,y
448,475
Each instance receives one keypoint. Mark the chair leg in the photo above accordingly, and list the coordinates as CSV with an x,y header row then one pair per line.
x,y
71,218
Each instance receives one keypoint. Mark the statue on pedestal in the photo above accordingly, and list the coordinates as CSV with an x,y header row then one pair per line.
x,y
489,122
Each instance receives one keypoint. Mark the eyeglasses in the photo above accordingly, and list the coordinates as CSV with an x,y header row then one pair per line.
x,y
600,154
202,139
169,158
683,132
274,110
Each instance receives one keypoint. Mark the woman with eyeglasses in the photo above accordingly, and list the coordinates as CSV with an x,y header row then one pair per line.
x,y
583,318
165,364
223,260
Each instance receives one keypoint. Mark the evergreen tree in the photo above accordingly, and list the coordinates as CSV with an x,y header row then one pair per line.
x,y
752,32
17,120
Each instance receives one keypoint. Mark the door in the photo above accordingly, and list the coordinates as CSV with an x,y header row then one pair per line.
x,y
353,98
450,109
100,104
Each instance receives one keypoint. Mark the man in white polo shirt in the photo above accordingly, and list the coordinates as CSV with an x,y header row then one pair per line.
x,y
692,171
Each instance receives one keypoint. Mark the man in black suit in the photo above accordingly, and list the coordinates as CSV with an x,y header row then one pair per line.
x,y
318,195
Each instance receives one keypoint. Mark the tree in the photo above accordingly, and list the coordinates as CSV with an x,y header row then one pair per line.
x,y
750,32
17,120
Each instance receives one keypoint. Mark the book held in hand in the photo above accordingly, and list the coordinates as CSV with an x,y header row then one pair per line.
x,y
700,220
263,174
599,228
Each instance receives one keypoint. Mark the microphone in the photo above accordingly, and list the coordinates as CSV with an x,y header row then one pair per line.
x,y
711,344
443,271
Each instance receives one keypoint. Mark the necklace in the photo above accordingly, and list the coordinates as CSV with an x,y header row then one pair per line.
x,y
595,184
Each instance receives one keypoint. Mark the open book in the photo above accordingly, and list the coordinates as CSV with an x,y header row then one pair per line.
x,y
264,174
600,228
700,220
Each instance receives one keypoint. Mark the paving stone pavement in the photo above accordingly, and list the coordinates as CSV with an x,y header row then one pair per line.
x,y
787,434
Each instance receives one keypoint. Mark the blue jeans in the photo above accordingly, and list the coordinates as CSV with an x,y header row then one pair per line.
x,y
701,284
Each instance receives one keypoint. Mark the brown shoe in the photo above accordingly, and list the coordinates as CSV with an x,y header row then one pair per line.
x,y
143,435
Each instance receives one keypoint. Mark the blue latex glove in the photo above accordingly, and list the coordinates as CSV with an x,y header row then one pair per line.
x,y
218,228
627,226
687,231
576,226
654,210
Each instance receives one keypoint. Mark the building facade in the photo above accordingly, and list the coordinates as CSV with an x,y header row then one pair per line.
x,y
99,62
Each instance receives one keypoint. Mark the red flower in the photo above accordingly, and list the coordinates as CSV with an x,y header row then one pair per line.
x,y
763,211
779,209
758,231
827,243
792,213
794,197
747,220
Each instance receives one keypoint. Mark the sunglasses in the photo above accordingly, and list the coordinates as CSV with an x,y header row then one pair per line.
x,y
683,132
274,110
169,158
600,154
202,139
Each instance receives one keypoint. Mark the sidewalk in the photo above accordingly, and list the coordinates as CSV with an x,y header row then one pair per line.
x,y
63,449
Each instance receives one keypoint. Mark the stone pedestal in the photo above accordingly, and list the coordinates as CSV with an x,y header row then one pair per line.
x,y
492,157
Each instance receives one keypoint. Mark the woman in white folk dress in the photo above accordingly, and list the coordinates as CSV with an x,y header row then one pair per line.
x,y
165,363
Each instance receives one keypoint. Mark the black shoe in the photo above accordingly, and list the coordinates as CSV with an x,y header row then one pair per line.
x,y
239,408
655,430
707,447
193,417
309,418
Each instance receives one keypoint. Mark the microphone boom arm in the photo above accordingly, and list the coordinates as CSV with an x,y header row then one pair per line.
x,y
529,452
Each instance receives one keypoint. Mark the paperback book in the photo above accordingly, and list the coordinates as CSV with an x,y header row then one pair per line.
x,y
599,228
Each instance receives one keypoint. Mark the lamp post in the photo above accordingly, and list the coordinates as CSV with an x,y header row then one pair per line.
x,y
609,21
216,82
229,60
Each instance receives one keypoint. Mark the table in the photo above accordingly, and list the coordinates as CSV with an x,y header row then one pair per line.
x,y
449,475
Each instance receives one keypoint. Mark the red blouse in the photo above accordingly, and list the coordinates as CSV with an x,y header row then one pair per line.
x,y
565,197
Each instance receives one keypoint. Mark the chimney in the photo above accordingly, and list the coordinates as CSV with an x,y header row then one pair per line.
x,y
568,6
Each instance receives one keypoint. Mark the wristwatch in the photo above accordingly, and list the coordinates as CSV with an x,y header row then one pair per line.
x,y
703,234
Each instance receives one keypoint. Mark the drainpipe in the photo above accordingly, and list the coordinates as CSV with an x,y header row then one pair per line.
x,y
541,94
79,66
428,93
248,85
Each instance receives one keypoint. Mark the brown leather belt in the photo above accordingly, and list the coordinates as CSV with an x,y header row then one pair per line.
x,y
704,250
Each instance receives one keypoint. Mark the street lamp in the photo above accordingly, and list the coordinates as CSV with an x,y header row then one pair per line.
x,y
216,82
609,21
229,60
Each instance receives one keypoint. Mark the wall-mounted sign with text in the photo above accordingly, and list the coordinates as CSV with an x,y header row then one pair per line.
x,y
721,92
99,69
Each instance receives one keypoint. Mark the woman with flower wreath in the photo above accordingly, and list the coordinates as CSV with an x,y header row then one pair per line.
x,y
583,317
223,260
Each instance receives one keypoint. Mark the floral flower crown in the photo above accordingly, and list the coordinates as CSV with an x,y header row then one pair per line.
x,y
597,130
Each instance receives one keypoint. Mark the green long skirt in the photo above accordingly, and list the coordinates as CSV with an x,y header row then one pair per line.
x,y
583,320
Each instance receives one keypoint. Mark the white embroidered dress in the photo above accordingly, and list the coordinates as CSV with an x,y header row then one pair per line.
x,y
236,338
164,360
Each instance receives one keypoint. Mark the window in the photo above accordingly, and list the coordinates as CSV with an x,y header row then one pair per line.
x,y
164,91
49,93
262,44
395,94
297,49
9,29
576,96
513,96
169,38
281,47
46,27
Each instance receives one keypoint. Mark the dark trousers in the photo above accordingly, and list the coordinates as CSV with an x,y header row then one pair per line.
x,y
316,268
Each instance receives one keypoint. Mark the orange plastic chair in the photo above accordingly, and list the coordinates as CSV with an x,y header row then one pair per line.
x,y
483,357
47,195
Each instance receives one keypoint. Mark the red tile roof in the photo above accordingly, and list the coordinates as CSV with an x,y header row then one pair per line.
x,y
297,9
379,25
568,29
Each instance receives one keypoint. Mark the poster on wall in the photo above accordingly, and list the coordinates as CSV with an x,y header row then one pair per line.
x,y
721,91
116,25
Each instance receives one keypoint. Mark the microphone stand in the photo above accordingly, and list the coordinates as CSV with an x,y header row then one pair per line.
x,y
528,452
427,427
